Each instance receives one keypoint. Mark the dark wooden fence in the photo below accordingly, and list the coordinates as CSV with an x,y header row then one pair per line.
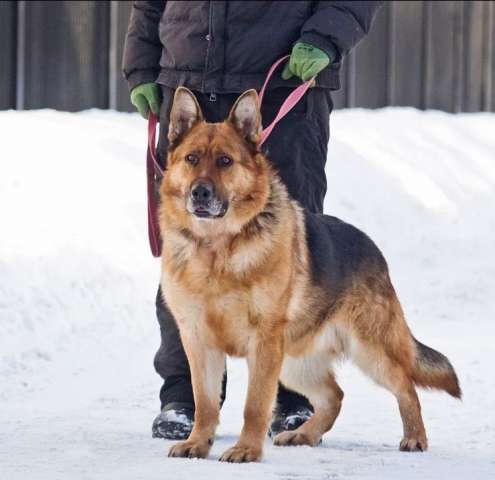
x,y
425,54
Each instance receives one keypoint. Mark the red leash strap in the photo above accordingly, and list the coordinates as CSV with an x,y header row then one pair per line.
x,y
153,170
290,102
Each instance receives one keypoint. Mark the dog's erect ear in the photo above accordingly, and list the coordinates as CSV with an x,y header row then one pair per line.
x,y
185,113
245,116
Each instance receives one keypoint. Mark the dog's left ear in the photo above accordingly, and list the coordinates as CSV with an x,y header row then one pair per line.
x,y
245,116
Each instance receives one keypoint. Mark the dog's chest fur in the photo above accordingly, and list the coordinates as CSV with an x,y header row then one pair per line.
x,y
228,293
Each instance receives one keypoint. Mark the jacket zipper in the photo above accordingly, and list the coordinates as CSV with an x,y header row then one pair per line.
x,y
208,39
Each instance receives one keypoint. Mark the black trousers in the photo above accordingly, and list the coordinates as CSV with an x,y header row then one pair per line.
x,y
297,147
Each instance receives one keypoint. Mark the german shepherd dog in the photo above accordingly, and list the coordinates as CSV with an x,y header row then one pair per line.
x,y
247,272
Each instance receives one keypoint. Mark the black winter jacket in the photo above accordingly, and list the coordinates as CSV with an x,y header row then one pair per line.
x,y
228,46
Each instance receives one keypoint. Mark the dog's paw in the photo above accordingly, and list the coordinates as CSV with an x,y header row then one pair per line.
x,y
241,454
413,444
189,449
294,437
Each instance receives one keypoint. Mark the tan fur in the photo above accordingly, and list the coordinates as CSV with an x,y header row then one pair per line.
x,y
241,285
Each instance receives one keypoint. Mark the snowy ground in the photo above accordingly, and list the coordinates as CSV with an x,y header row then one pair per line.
x,y
77,329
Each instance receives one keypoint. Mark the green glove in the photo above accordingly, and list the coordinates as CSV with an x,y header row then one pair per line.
x,y
305,62
146,96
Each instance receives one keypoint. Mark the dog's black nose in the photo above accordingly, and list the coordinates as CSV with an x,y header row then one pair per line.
x,y
202,192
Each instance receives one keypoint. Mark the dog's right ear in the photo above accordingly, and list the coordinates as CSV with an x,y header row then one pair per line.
x,y
245,116
185,113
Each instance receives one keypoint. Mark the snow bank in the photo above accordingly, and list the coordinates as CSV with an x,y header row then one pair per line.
x,y
77,285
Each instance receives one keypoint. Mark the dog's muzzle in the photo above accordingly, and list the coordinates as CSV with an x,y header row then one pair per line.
x,y
203,201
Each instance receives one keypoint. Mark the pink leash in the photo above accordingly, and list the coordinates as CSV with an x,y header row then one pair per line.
x,y
154,170
290,102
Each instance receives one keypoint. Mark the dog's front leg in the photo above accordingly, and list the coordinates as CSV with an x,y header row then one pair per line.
x,y
207,367
264,363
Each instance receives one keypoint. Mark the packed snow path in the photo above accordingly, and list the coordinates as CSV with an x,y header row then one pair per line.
x,y
77,284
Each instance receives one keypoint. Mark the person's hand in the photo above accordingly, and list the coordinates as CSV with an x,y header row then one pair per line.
x,y
145,97
305,62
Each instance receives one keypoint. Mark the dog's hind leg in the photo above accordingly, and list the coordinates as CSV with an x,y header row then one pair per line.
x,y
312,376
410,410
395,378
380,343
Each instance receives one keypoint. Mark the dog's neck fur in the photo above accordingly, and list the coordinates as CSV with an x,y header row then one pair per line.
x,y
277,202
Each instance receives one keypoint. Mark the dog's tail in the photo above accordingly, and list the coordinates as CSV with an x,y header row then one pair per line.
x,y
434,370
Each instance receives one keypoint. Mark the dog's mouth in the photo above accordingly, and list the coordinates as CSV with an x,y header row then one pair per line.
x,y
213,210
201,212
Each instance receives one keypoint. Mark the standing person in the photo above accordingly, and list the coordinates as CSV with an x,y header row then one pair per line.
x,y
218,49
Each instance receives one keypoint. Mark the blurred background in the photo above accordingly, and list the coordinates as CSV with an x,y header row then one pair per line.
x,y
67,55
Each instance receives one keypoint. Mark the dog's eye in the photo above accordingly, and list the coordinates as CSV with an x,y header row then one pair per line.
x,y
224,161
192,159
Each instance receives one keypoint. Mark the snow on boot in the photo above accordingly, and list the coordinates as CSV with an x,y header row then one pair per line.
x,y
174,422
285,419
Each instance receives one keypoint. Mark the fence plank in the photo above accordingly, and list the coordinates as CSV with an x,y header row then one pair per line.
x,y
474,43
407,53
119,92
65,60
489,100
442,70
371,64
7,54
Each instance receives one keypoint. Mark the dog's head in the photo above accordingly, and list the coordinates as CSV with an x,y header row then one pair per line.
x,y
216,179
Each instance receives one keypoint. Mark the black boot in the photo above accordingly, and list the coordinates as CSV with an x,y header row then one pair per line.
x,y
174,422
291,411
176,418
